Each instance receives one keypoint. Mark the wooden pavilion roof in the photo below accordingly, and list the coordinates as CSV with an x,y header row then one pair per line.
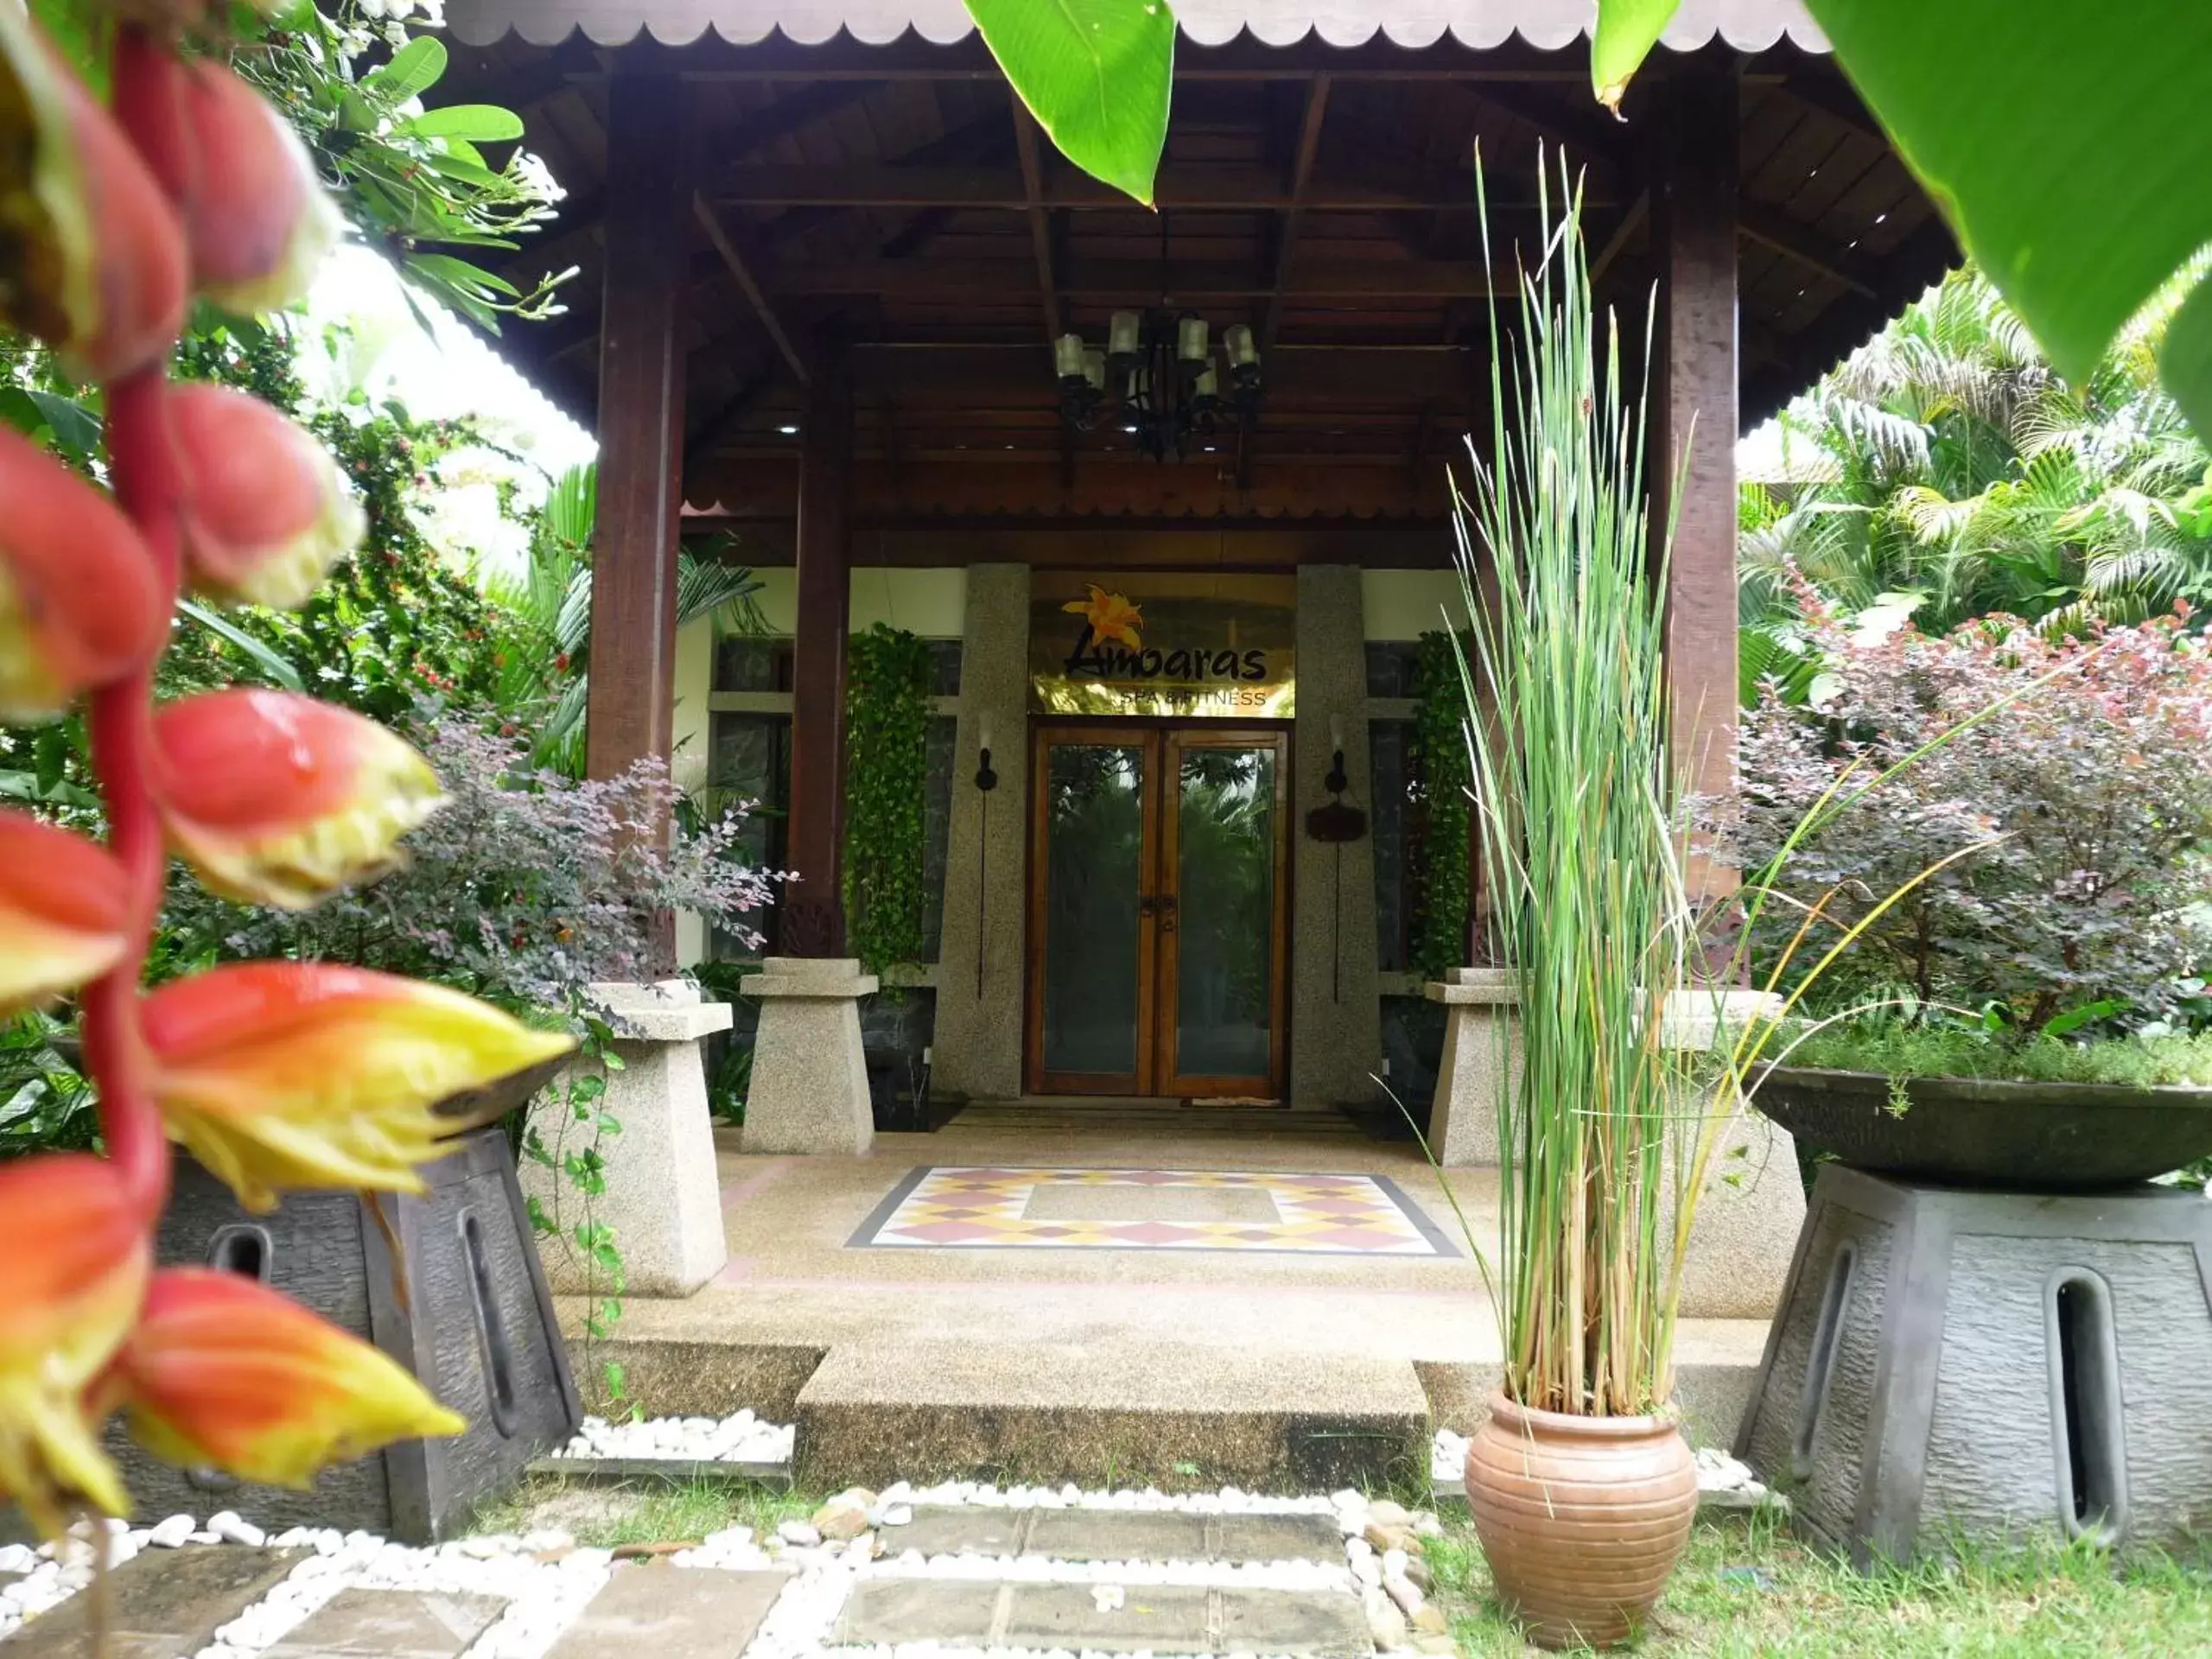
x,y
878,185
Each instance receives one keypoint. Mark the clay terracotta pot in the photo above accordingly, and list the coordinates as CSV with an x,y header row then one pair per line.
x,y
1582,1518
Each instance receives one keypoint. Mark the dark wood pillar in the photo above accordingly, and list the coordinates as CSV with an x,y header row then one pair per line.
x,y
1693,220
813,922
631,713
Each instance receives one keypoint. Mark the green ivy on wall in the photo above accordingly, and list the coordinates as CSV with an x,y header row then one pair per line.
x,y
1441,812
887,774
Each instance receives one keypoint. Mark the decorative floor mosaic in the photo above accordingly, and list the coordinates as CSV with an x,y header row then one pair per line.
x,y
941,1208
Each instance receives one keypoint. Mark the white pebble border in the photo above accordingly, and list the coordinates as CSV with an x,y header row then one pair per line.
x,y
741,1438
546,1580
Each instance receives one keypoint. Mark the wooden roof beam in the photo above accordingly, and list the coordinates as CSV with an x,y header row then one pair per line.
x,y
579,216
1786,236
1137,281
1301,175
719,235
1040,229
1385,188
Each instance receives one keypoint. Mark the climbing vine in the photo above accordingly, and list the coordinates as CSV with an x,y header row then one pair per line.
x,y
1441,810
887,774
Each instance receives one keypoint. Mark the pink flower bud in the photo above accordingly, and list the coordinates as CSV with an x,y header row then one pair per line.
x,y
92,250
281,1075
257,218
277,799
63,910
266,511
80,605
74,1262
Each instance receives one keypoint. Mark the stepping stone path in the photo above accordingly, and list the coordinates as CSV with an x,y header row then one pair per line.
x,y
955,1572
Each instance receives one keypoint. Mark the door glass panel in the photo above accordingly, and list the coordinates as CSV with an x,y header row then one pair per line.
x,y
1095,866
1224,932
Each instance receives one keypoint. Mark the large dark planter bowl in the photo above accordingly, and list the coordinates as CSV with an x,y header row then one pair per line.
x,y
2040,1137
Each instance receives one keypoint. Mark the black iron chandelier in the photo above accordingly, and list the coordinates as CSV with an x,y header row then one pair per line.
x,y
1158,379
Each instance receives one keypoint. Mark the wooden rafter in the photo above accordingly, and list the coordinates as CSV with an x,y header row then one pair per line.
x,y
580,216
1409,186
1807,246
1301,175
719,234
726,418
1617,238
1136,281
1041,228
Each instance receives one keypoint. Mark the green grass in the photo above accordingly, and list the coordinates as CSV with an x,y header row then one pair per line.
x,y
1917,1051
602,1516
1747,1588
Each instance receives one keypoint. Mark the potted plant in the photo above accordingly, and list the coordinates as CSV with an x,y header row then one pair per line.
x,y
1581,1486
2033,1014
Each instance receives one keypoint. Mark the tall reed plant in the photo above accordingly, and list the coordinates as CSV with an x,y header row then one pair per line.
x,y
1568,721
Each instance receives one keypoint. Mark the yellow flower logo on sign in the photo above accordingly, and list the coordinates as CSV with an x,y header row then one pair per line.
x,y
1111,616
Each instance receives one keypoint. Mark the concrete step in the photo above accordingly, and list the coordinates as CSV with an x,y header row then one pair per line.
x,y
1174,1417
1118,1536
1089,1619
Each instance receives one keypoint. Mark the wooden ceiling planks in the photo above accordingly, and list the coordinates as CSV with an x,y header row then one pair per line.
x,y
1325,196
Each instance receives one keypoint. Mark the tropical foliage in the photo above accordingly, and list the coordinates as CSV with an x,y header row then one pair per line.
x,y
2084,790
1945,472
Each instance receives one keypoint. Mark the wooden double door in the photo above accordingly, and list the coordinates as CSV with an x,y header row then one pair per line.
x,y
1159,883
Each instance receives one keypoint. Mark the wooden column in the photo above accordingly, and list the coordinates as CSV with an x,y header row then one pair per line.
x,y
813,922
631,713
1694,221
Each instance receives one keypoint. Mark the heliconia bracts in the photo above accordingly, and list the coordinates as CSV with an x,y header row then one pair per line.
x,y
278,1076
266,511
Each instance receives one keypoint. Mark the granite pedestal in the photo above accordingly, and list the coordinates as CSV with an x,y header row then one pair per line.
x,y
1993,1367
663,1198
1481,1064
809,1077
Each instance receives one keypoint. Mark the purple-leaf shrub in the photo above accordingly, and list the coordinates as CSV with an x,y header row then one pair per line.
x,y
2099,784
525,888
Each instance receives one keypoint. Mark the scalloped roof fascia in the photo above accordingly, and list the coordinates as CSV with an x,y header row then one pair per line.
x,y
1747,25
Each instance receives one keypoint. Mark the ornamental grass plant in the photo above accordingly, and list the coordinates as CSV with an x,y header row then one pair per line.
x,y
1608,1138
1567,722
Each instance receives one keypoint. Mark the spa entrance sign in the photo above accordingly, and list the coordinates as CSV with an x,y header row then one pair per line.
x,y
1206,648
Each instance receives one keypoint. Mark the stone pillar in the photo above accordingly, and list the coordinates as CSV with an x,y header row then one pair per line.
x,y
976,1050
663,1198
1753,1201
1336,1014
1481,1065
810,1079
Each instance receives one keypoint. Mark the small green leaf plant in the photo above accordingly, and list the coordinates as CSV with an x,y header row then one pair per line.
x,y
1444,812
886,778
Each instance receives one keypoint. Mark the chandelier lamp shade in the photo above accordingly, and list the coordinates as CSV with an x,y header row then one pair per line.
x,y
1159,379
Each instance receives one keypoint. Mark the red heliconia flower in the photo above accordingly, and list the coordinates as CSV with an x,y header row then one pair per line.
x,y
74,1259
63,910
80,603
93,255
276,799
222,1372
266,511
289,1074
257,218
